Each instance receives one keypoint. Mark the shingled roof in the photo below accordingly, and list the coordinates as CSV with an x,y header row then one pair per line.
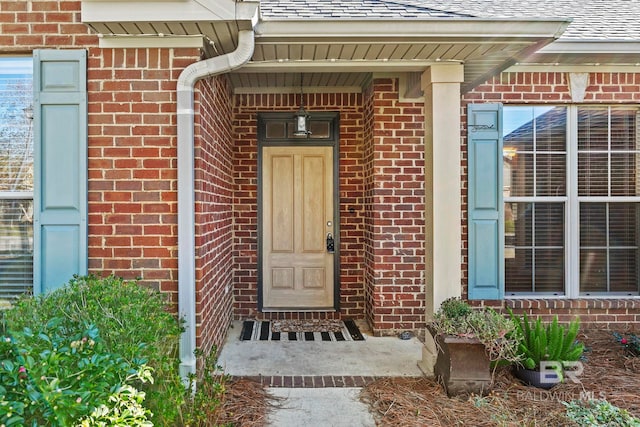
x,y
593,20
350,9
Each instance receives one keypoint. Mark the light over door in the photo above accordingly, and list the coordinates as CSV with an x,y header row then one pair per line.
x,y
297,197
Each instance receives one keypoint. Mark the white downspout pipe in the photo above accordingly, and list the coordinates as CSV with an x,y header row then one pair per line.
x,y
186,200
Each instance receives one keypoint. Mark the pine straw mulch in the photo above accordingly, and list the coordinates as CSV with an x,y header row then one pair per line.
x,y
608,373
245,403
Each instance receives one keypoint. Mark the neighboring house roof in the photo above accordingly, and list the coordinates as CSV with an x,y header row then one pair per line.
x,y
592,19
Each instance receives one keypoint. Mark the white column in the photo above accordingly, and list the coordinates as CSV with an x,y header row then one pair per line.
x,y
443,188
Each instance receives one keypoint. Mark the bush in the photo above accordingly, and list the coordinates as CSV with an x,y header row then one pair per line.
x,y
550,342
599,413
130,327
50,378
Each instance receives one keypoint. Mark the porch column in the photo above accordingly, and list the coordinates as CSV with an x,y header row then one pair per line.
x,y
443,223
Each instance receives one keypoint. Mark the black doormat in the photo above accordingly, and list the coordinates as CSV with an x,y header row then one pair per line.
x,y
257,330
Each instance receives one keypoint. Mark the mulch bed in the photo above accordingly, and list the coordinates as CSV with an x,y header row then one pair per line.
x,y
608,373
246,403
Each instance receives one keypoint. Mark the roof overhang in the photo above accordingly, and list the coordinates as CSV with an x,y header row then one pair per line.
x,y
331,53
588,52
170,23
485,47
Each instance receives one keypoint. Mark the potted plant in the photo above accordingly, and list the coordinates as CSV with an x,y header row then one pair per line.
x,y
468,340
547,351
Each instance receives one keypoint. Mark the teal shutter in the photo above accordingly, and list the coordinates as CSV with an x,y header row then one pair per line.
x,y
486,216
60,167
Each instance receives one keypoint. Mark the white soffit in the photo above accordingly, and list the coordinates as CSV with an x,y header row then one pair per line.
x,y
216,21
363,46
330,49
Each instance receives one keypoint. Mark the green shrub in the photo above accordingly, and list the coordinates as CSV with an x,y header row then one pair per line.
x,y
599,413
48,377
551,342
454,308
133,323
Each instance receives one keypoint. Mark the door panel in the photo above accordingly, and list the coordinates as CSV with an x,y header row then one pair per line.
x,y
297,195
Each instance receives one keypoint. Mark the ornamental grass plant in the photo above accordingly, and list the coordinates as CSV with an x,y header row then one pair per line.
x,y
547,342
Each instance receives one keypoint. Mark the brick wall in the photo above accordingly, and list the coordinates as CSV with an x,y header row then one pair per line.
x,y
132,147
351,198
132,163
27,25
213,210
369,186
394,185
541,88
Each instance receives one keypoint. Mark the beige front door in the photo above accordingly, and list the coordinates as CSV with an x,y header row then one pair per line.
x,y
297,215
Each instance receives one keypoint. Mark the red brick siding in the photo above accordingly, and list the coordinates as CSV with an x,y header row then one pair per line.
x,y
542,88
368,165
132,163
213,210
132,188
27,25
394,177
351,200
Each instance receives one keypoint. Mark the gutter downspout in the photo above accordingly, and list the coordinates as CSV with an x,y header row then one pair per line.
x,y
186,199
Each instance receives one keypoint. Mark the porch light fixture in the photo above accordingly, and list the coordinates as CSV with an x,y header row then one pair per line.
x,y
302,117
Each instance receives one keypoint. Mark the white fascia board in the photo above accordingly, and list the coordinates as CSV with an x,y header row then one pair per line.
x,y
578,68
438,29
150,41
591,46
157,11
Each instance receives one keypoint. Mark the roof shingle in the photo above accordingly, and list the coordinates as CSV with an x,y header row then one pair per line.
x,y
593,20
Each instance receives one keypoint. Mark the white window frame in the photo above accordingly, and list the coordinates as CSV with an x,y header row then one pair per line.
x,y
572,212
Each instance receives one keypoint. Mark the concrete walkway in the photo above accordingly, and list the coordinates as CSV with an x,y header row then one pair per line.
x,y
320,382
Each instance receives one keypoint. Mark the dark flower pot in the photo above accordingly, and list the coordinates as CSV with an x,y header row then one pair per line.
x,y
533,377
462,365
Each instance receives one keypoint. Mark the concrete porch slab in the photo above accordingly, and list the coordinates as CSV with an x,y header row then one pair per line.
x,y
373,357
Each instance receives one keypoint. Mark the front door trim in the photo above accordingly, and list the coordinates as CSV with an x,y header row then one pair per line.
x,y
331,140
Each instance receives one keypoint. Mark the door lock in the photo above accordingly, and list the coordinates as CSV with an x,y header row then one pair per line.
x,y
330,243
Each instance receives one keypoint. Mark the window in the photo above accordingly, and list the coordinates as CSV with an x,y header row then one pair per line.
x,y
571,200
16,177
608,195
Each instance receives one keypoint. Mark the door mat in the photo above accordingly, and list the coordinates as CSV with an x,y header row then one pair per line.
x,y
264,330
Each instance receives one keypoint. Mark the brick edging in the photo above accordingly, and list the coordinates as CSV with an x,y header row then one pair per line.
x,y
310,381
